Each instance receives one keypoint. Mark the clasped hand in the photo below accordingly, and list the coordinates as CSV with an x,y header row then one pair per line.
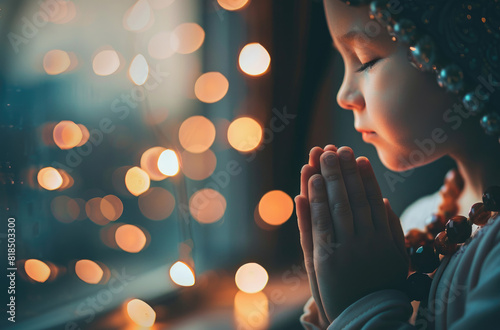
x,y
352,241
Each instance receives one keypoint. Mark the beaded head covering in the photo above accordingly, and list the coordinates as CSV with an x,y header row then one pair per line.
x,y
458,40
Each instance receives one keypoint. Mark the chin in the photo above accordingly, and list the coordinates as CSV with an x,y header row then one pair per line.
x,y
395,161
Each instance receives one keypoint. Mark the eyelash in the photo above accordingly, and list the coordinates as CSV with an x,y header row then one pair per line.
x,y
367,66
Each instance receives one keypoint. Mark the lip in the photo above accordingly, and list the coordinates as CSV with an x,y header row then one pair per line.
x,y
368,135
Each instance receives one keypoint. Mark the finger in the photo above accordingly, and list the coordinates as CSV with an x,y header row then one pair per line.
x,y
355,191
373,195
396,229
305,228
314,157
322,224
338,201
306,172
330,147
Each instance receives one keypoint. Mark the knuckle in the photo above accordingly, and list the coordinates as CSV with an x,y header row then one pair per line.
x,y
350,170
331,177
341,209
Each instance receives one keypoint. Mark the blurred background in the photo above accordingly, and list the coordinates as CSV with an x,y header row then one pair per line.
x,y
150,153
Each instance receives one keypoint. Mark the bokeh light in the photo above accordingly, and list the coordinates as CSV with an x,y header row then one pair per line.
x,y
251,310
94,213
111,207
198,166
106,62
254,59
244,134
187,38
130,238
181,274
65,11
67,134
139,70
251,278
168,163
207,205
37,270
141,313
149,163
137,181
196,134
49,178
67,180
139,17
157,203
211,87
275,207
233,4
65,209
88,271
85,135
56,62
160,45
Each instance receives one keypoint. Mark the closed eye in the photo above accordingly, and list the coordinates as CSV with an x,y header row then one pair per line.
x,y
368,65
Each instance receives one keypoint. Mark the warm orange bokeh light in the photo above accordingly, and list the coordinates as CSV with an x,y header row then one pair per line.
x,y
157,203
211,87
139,17
168,163
275,207
196,134
130,238
207,205
106,62
251,278
49,178
141,313
67,134
88,271
137,181
233,4
251,310
139,70
56,62
149,163
160,46
198,166
254,59
93,210
85,135
181,274
37,270
111,207
65,209
187,38
244,134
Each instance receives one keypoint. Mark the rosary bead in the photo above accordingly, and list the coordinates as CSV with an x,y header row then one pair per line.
x,y
451,78
491,199
418,286
443,245
416,238
491,123
423,54
435,224
458,229
448,210
478,215
424,259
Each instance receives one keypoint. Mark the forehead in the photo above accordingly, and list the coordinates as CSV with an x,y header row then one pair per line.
x,y
343,18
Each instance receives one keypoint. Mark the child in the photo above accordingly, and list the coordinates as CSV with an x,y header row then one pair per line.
x,y
419,75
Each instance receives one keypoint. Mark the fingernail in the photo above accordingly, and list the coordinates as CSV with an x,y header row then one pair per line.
x,y
331,159
346,155
318,183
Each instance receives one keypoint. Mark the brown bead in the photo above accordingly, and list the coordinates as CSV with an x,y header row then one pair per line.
x,y
415,238
478,215
454,178
458,229
435,224
442,244
448,211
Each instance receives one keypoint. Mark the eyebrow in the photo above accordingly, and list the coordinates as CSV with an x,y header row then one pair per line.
x,y
349,37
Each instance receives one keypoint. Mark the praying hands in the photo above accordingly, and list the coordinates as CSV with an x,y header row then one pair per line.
x,y
352,241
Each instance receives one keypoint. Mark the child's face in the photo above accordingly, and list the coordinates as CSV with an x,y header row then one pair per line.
x,y
392,98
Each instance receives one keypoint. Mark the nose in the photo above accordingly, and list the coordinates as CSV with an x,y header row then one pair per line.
x,y
349,96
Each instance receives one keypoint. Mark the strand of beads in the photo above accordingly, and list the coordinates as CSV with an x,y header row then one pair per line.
x,y
424,250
